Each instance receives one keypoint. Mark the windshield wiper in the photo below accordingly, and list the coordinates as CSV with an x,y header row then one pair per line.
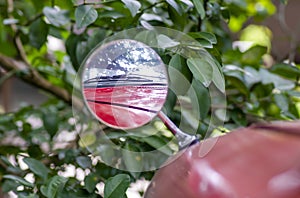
x,y
121,80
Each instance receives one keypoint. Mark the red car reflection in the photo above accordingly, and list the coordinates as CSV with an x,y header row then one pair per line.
x,y
125,106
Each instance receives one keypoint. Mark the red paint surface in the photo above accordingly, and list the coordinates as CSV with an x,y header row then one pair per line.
x,y
146,97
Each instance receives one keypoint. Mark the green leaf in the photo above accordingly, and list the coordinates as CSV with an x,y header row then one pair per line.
x,y
56,17
71,46
279,82
282,102
87,140
28,196
237,82
38,4
158,143
218,77
179,18
18,180
90,182
181,77
133,6
97,36
205,43
115,187
200,98
294,93
107,153
111,14
38,32
54,186
9,185
50,120
166,42
286,71
238,117
175,5
201,70
200,8
225,14
82,51
132,158
204,35
84,162
253,56
170,102
147,37
85,15
37,167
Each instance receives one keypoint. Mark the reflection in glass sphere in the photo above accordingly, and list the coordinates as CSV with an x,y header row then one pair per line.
x,y
124,83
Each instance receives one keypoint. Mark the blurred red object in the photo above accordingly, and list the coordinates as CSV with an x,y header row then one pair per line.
x,y
261,161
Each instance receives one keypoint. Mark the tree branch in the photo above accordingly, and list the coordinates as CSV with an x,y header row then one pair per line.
x,y
33,77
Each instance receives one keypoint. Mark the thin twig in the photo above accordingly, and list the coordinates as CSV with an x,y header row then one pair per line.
x,y
30,21
33,77
17,40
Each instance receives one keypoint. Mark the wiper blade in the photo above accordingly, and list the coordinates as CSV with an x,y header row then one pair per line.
x,y
119,78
